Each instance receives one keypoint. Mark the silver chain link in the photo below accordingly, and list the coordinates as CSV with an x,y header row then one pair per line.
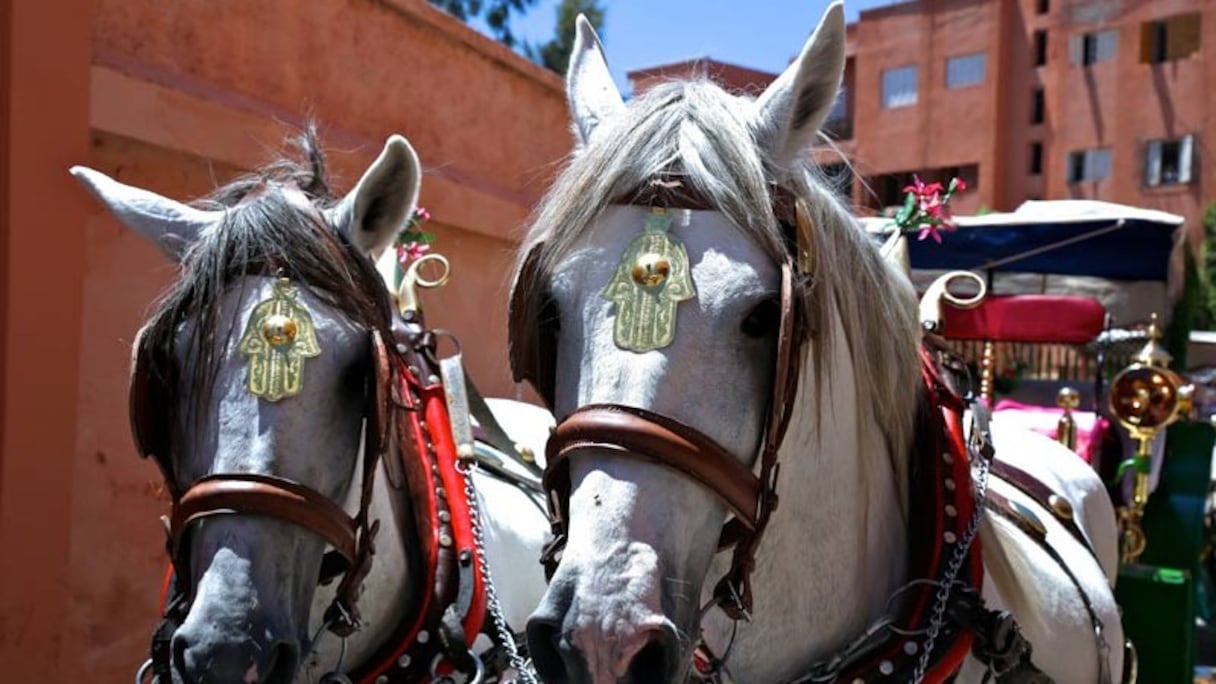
x,y
522,667
956,562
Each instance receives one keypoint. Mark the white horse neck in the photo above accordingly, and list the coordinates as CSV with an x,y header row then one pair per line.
x,y
835,548
515,529
386,591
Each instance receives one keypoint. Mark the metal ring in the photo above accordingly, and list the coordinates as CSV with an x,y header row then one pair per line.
x,y
964,302
143,670
939,291
479,668
415,270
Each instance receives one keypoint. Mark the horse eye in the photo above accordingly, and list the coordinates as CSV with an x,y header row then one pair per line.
x,y
762,320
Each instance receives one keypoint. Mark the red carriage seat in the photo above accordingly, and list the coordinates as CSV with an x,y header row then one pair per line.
x,y
1045,334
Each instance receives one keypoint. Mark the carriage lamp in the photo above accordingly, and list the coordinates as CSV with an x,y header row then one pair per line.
x,y
1146,397
1066,428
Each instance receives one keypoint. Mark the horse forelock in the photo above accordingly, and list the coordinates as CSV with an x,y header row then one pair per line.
x,y
273,225
707,136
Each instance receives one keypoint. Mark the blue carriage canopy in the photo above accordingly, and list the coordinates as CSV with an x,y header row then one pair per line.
x,y
1058,237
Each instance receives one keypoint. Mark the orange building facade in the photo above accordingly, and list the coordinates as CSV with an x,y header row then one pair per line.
x,y
1023,99
178,97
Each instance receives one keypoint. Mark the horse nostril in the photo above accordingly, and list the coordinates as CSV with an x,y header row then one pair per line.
x,y
656,661
179,645
280,666
544,645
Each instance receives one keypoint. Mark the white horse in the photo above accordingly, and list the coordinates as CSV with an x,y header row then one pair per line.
x,y
252,611
633,593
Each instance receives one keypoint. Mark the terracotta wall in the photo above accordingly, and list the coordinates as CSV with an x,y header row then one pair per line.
x,y
43,129
946,127
177,97
1122,104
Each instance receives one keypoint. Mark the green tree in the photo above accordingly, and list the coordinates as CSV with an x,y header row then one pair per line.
x,y
1208,251
497,14
555,54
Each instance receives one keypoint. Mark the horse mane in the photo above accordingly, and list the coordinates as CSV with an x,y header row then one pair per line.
x,y
696,129
265,231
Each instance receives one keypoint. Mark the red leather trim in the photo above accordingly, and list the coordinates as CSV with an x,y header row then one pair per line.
x,y
458,503
421,483
1061,319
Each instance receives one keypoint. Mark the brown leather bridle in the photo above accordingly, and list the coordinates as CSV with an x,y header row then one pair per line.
x,y
352,537
638,433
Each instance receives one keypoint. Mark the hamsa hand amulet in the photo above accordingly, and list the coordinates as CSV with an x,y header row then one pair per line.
x,y
278,337
652,278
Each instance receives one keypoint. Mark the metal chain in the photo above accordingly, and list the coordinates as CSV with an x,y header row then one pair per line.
x,y
956,562
522,667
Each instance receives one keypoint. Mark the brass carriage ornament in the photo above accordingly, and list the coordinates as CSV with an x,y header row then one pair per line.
x,y
408,302
278,337
1146,397
651,279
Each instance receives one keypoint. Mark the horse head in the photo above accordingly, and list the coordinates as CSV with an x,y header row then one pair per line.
x,y
697,306
255,386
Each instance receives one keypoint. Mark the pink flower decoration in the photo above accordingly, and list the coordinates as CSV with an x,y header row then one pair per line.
x,y
410,252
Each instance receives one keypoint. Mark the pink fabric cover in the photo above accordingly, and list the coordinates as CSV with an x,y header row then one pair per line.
x,y
1043,419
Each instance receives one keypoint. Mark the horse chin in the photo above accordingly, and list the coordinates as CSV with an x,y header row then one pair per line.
x,y
246,624
624,603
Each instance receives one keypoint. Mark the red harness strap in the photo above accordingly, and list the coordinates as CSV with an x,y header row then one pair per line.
x,y
445,529
941,507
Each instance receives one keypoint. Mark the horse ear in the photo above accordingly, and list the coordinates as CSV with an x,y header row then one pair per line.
x,y
168,224
791,109
590,90
376,209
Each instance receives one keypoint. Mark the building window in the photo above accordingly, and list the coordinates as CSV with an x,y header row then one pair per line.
x,y
1038,107
1088,165
1043,6
1040,47
1091,48
1036,158
899,87
1166,40
965,70
1168,162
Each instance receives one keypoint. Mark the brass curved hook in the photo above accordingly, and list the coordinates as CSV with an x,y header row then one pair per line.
x,y
931,302
407,292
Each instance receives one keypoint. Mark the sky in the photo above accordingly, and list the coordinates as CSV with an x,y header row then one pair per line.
x,y
759,34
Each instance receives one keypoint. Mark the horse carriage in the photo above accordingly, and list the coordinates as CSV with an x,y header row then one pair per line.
x,y
1048,354
759,464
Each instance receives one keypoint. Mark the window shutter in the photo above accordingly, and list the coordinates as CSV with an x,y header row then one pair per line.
x,y
1076,49
1146,42
1182,33
1107,45
1186,149
1152,163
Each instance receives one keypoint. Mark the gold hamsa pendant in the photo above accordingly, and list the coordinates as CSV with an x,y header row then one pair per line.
x,y
278,337
652,278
